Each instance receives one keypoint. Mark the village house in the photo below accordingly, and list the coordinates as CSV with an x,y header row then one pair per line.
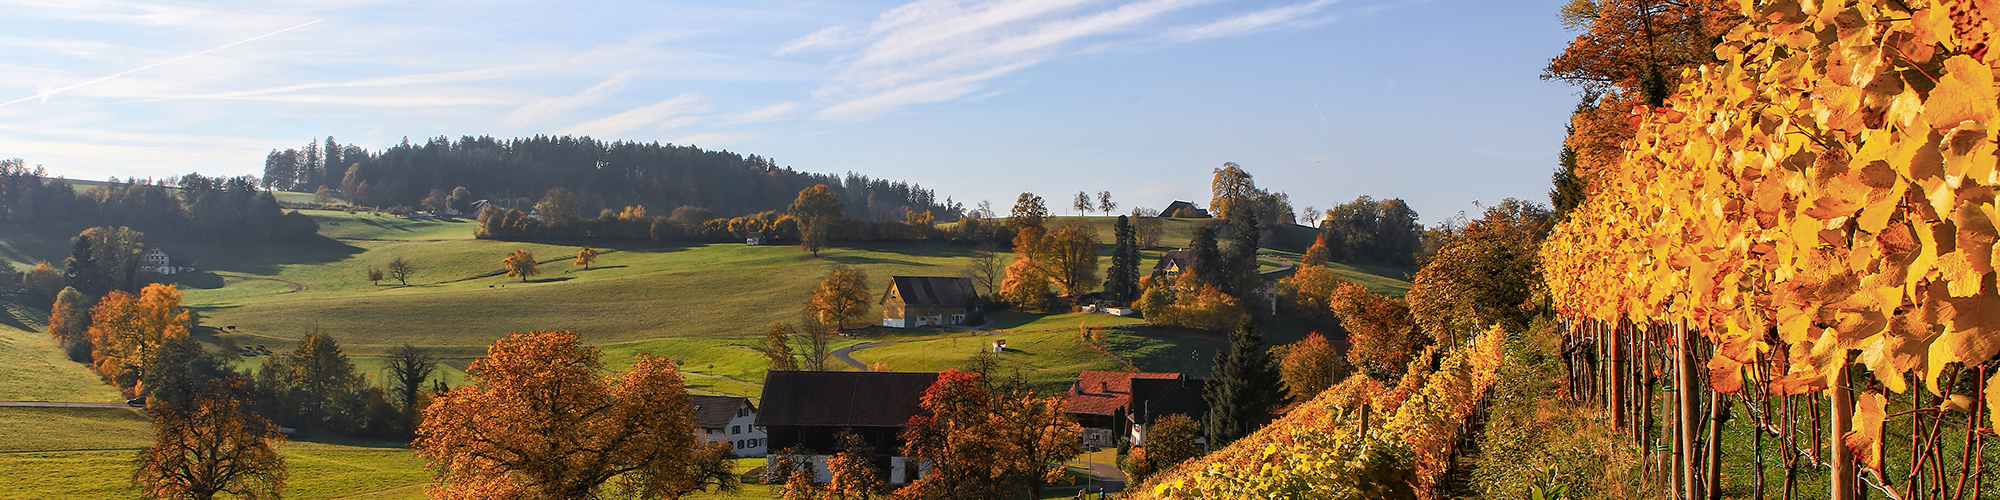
x,y
808,410
1108,404
754,239
730,420
1173,263
159,261
913,301
1184,210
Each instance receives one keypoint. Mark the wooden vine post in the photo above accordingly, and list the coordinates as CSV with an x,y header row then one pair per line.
x,y
1841,413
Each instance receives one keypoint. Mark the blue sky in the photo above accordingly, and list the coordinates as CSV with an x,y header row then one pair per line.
x,y
1436,102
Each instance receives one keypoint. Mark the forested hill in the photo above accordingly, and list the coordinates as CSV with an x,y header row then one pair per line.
x,y
610,175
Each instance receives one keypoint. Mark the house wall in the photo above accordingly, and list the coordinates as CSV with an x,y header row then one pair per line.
x,y
899,469
744,437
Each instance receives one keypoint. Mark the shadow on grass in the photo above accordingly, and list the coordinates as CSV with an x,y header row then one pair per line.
x,y
594,268
1011,320
552,279
16,311
354,441
863,259
202,280
265,259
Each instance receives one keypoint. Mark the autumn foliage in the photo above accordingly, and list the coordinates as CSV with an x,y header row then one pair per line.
x,y
215,446
124,329
520,263
985,443
542,421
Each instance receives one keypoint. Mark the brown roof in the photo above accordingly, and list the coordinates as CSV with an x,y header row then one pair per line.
x,y
944,291
1180,257
1174,210
714,412
1101,393
843,399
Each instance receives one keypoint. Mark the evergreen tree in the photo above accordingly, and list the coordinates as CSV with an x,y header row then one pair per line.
x,y
1242,256
80,270
1244,389
1122,283
1567,190
1205,260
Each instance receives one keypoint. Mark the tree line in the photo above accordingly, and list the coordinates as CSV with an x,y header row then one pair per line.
x,y
190,207
602,175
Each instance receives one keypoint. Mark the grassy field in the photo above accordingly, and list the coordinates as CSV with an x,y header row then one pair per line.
x,y
705,306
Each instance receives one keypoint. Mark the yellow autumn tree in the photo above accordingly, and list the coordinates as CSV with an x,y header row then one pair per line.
x,y
841,297
585,256
520,263
124,329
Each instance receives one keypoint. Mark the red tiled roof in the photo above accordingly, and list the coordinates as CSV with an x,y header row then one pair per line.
x,y
1102,393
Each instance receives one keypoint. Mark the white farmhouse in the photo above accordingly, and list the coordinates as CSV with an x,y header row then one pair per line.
x,y
731,420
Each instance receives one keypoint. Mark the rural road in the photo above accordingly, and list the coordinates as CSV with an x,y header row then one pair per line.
x,y
61,404
296,286
843,353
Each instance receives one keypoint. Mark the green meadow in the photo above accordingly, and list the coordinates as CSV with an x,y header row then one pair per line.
x,y
706,306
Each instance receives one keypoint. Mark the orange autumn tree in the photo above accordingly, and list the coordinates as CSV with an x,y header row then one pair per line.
x,y
986,443
124,329
539,421
1381,336
520,263
214,446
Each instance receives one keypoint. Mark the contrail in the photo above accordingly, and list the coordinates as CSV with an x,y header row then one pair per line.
x,y
44,96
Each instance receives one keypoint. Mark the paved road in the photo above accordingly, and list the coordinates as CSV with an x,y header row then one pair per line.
x,y
62,404
843,353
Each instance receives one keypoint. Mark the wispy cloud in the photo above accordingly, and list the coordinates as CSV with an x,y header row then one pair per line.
x,y
536,112
1297,15
835,35
44,95
764,113
667,113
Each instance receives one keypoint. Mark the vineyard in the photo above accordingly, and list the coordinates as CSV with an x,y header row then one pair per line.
x,y
1801,241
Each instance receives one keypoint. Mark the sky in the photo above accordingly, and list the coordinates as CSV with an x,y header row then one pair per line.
x,y
1436,102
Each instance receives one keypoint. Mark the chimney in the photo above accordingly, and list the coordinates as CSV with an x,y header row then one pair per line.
x,y
1105,385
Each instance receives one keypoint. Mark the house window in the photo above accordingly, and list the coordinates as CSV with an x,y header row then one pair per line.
x,y
739,444
736,429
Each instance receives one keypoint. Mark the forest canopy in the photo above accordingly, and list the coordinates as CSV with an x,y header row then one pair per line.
x,y
603,175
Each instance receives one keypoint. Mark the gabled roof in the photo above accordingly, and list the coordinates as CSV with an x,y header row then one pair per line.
x,y
843,399
942,291
1102,393
1155,398
1181,257
714,412
1176,208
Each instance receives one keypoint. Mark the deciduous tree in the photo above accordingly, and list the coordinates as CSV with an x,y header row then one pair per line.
x,y
559,207
1026,285
1104,203
1318,253
1169,441
1381,335
585,256
460,200
1233,191
816,209
1309,366
985,270
402,270
1484,275
374,275
409,368
124,329
1639,46
45,280
215,446
1082,203
540,421
69,324
778,348
520,263
984,444
842,297
1029,210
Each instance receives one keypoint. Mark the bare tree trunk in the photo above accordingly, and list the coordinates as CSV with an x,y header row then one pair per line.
x,y
1615,346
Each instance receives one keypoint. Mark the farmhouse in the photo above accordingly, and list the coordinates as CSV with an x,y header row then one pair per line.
x,y
755,238
913,301
1108,404
729,420
1173,263
808,410
159,261
1184,210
